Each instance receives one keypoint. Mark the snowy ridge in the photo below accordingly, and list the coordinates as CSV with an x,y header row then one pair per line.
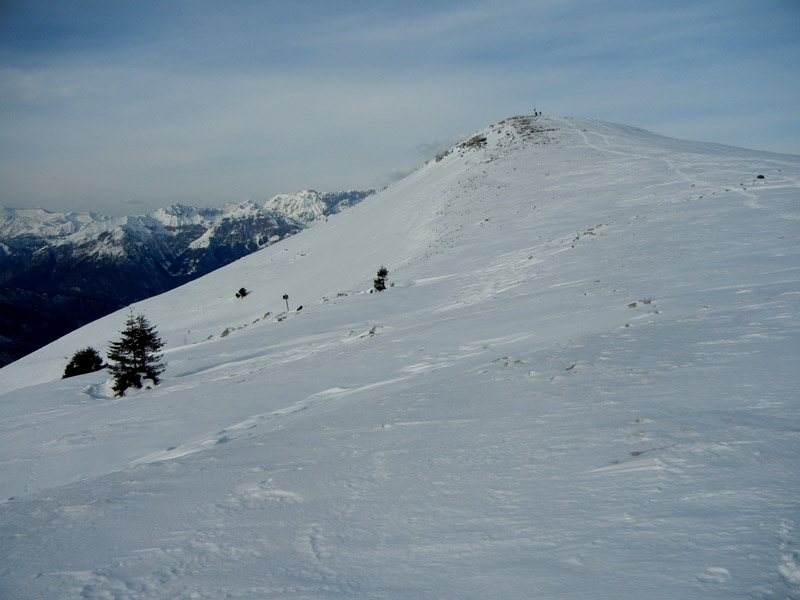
x,y
581,383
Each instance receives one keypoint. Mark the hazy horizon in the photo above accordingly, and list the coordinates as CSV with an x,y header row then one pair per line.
x,y
124,107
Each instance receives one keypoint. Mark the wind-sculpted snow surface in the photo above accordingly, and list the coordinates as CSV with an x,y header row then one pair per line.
x,y
580,382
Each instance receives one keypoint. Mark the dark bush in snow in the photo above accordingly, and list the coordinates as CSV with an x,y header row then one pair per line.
x,y
82,362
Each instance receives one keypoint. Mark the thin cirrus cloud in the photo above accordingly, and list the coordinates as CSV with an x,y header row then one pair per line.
x,y
110,106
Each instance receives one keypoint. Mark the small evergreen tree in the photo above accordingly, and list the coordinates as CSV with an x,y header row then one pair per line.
x,y
83,361
379,284
135,356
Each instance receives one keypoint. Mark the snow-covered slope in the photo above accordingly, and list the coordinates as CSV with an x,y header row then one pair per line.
x,y
581,384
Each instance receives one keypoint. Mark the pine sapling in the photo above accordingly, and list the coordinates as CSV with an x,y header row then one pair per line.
x,y
379,284
135,356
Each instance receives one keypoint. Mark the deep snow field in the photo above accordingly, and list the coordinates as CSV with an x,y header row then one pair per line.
x,y
583,383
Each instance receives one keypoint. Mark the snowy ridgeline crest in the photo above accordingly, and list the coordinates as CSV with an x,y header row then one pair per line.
x,y
61,270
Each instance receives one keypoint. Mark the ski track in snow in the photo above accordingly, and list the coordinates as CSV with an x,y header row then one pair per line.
x,y
582,384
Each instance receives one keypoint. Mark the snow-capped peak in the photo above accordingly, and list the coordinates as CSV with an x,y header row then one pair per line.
x,y
309,206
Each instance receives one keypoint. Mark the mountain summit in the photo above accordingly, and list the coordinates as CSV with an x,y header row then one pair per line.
x,y
580,381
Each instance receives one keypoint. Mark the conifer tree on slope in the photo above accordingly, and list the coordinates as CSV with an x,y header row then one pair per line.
x,y
135,356
379,283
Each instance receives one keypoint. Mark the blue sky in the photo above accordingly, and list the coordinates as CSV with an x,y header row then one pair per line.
x,y
122,107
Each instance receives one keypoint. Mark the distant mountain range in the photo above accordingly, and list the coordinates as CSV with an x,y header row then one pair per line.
x,y
59,271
